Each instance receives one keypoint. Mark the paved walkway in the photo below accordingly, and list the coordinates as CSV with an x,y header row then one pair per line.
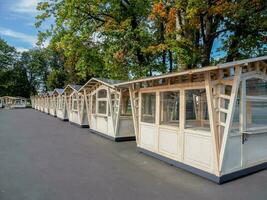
x,y
43,158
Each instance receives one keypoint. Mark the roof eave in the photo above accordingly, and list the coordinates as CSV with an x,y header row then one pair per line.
x,y
199,70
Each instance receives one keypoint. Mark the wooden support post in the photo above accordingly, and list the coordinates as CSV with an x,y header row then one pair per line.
x,y
257,65
139,118
182,123
134,114
111,110
118,112
157,119
230,115
242,114
213,122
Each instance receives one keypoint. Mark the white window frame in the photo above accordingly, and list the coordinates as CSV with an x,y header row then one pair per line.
x,y
101,99
160,108
74,99
156,110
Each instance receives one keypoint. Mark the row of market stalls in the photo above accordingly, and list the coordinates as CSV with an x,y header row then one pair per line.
x,y
209,121
13,102
99,104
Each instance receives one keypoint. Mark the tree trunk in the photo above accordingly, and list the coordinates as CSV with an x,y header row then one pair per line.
x,y
170,61
207,53
164,58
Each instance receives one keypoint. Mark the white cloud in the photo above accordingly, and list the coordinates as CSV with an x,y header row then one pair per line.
x,y
21,49
18,35
25,6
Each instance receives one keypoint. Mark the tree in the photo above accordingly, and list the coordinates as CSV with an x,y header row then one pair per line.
x,y
247,30
8,55
134,38
113,34
35,62
19,84
13,75
56,79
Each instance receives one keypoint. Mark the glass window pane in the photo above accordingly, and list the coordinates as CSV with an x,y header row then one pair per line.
x,y
102,93
169,107
256,108
75,104
148,107
256,87
80,102
60,103
102,107
236,118
126,108
63,102
256,114
94,104
197,110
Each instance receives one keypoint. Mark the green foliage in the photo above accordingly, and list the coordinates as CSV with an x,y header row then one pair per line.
x,y
247,25
7,55
122,39
56,79
26,73
35,62
13,76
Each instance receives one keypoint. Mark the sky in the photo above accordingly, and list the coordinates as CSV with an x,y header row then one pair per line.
x,y
17,23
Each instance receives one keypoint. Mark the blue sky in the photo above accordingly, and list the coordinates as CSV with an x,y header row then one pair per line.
x,y
17,23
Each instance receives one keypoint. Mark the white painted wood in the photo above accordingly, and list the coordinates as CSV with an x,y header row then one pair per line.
x,y
196,71
102,124
242,115
198,151
134,113
110,131
109,123
11,102
232,160
118,113
229,118
224,96
126,127
168,142
147,136
255,150
213,121
78,116
113,121
181,138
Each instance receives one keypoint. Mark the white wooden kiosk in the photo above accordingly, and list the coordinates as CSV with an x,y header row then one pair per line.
x,y
61,106
53,101
210,121
14,102
38,103
63,101
47,102
42,102
35,97
77,109
32,101
1,102
109,109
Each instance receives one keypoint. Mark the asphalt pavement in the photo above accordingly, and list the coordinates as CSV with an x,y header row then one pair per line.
x,y
44,158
